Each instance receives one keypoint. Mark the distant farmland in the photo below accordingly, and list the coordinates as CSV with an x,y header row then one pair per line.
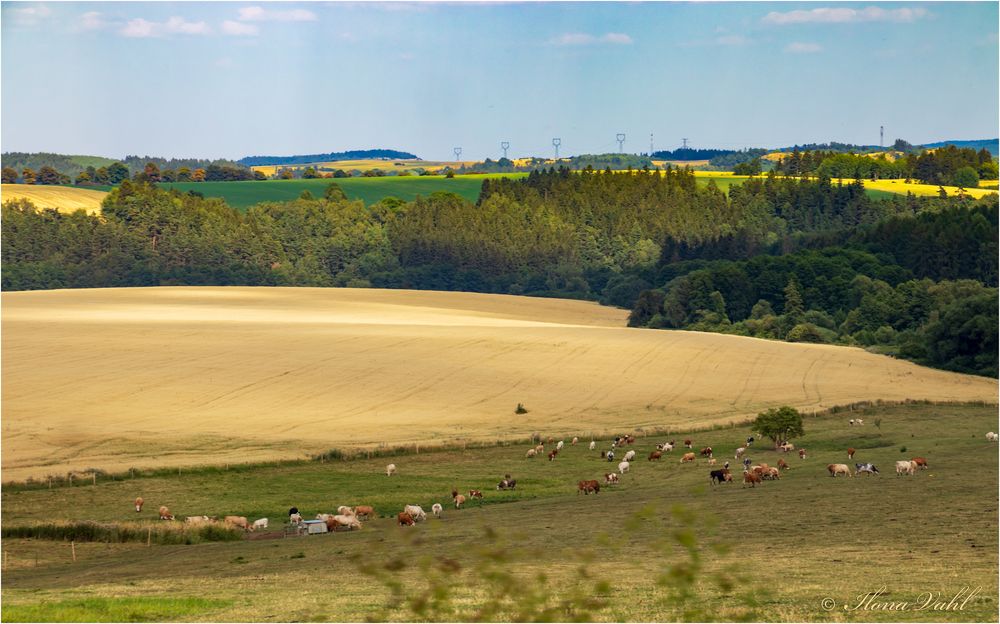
x,y
242,195
62,198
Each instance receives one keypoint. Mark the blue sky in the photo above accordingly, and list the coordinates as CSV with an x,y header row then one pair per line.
x,y
231,79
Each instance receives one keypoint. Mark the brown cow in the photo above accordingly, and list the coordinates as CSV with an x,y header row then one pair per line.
x,y
655,455
921,462
552,454
138,504
782,464
687,443
364,511
802,453
238,521
611,478
707,451
751,478
688,457
459,500
165,513
475,494
404,519
850,453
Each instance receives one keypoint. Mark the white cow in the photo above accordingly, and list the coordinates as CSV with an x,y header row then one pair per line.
x,y
623,467
415,512
992,437
390,470
593,445
905,467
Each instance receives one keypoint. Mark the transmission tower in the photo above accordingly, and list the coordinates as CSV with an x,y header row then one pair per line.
x,y
504,145
621,142
650,143
458,154
685,144
881,136
556,143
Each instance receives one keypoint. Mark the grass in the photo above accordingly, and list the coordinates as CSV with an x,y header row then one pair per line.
x,y
799,540
242,195
119,609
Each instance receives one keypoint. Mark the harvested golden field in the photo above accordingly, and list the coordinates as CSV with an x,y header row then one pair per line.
x,y
368,165
147,377
62,198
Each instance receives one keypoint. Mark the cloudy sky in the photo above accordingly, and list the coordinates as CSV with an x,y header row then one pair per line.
x,y
234,79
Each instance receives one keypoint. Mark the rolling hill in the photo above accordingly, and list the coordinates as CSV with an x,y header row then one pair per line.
x,y
115,378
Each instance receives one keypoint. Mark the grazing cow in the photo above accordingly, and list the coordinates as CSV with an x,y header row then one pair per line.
x,y
531,453
720,476
611,456
475,494
552,454
260,524
459,501
787,446
364,511
436,509
238,521
706,452
668,446
623,467
629,456
782,464
920,462
655,455
540,448
344,510
746,462
390,470
802,453
593,445
165,513
839,469
711,461
404,519
749,441
504,484
611,478
865,468
905,467
770,473
687,443
850,453
740,451
750,477
726,465
559,446
688,457
574,441
295,518
588,486
416,512
197,519
138,504
990,437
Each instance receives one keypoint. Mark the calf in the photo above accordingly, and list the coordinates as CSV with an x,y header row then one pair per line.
x,y
782,464
687,443
475,494
749,477
260,524
706,452
552,454
865,468
611,478
802,453
655,455
850,453
839,469
920,462
404,519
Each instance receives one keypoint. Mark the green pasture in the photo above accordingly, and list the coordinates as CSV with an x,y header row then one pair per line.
x,y
242,195
664,544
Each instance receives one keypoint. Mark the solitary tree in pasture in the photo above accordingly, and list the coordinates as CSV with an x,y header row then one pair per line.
x,y
779,423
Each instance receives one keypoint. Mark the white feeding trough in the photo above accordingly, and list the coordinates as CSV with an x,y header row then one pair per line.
x,y
315,526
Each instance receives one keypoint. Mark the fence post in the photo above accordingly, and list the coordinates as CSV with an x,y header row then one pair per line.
x,y
72,546
149,536
5,553
95,477
71,479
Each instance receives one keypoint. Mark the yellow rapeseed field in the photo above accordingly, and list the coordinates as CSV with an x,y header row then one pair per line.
x,y
146,377
62,198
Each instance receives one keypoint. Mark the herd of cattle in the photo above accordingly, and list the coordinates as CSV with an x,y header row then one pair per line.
x,y
349,518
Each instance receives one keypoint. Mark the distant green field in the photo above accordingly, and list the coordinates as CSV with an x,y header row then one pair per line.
x,y
242,195
92,161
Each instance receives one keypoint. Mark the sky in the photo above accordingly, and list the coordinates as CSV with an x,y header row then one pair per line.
x,y
232,79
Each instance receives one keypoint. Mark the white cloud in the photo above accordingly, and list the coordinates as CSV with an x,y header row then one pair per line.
x,y
91,20
843,15
238,29
570,39
140,27
797,47
30,15
260,14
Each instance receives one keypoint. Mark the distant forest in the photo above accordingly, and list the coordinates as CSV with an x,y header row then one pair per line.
x,y
253,161
778,257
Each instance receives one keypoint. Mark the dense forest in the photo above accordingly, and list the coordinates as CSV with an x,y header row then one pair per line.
x,y
782,258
